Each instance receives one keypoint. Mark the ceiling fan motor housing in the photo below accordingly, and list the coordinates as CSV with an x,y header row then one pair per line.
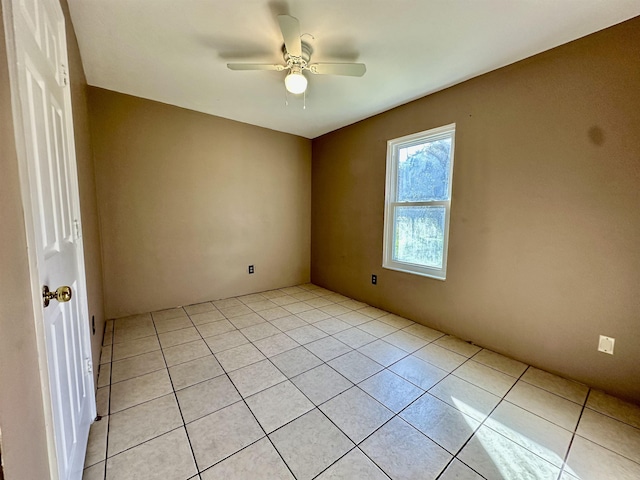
x,y
302,60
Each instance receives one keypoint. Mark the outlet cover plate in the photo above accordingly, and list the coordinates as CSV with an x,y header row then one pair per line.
x,y
606,344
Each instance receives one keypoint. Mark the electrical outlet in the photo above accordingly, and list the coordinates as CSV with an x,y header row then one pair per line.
x,y
374,279
251,269
606,344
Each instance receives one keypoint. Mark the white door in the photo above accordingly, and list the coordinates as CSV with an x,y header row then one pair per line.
x,y
46,143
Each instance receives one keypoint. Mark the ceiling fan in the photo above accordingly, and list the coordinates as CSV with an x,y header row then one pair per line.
x,y
297,55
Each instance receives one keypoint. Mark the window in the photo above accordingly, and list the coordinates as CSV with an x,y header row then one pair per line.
x,y
418,201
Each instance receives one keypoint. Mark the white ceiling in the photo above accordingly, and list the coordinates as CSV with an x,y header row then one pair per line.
x,y
176,51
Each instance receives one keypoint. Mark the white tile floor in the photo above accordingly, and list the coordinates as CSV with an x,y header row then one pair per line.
x,y
306,383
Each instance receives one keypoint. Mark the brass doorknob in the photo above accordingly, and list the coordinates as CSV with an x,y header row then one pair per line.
x,y
62,294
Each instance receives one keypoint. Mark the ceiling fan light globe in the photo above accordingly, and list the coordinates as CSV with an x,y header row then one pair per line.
x,y
295,83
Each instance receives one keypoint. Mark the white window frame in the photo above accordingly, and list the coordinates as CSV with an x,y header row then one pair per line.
x,y
393,146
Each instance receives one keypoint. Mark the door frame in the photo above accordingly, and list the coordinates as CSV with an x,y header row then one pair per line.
x,y
30,231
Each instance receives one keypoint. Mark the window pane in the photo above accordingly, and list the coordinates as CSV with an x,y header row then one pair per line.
x,y
419,235
423,171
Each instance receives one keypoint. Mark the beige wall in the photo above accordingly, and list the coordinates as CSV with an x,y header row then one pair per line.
x,y
545,221
24,447
187,201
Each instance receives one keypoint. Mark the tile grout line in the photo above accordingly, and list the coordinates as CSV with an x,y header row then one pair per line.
x,y
174,393
266,435
293,420
315,407
143,403
106,446
573,435
184,425
455,456
518,379
246,405
356,445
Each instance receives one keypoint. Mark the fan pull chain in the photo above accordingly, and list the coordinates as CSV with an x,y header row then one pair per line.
x,y
304,99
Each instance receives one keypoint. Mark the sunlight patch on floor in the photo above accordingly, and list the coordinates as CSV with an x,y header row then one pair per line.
x,y
512,459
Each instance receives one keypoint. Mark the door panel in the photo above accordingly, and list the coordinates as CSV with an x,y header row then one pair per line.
x,y
47,128
41,159
63,186
59,378
29,10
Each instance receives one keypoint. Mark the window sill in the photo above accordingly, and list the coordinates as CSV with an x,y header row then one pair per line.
x,y
433,275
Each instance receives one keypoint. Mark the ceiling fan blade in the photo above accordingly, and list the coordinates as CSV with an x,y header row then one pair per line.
x,y
255,66
349,69
291,34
